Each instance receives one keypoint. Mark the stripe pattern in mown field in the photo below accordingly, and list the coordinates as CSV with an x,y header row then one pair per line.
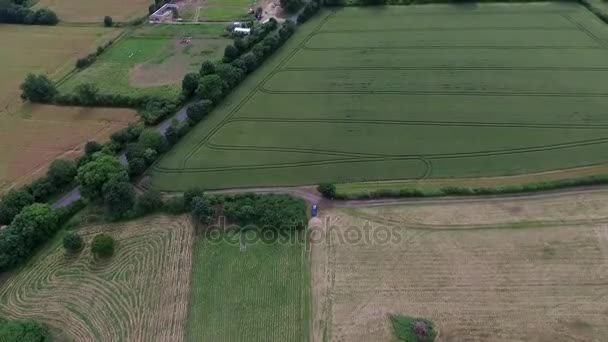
x,y
409,93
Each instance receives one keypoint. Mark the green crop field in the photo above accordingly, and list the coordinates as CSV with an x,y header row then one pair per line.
x,y
152,60
411,92
260,292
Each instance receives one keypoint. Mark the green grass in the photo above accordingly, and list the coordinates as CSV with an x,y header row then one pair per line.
x,y
261,293
223,13
145,45
434,91
403,327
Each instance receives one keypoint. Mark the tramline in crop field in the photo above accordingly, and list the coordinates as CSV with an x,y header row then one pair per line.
x,y
410,92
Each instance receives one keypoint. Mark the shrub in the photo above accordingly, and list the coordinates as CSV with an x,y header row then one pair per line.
x,y
23,331
207,68
12,203
149,202
72,242
189,84
413,329
38,88
41,189
198,110
328,190
201,209
92,147
61,172
107,21
103,246
275,212
87,93
230,53
175,205
45,16
151,138
119,198
190,194
210,87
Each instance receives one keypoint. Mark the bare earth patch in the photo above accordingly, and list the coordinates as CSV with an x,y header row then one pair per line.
x,y
140,294
532,270
179,59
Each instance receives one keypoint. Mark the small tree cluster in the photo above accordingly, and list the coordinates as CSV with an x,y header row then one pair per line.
x,y
72,242
103,246
328,190
18,13
38,88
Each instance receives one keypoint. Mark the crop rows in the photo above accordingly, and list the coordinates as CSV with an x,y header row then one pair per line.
x,y
336,59
140,294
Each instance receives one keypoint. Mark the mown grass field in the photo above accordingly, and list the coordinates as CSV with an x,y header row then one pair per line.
x,y
78,11
31,136
488,270
412,92
140,294
226,10
151,60
258,293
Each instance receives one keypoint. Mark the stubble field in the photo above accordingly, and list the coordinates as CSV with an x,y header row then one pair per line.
x,y
78,11
140,294
449,91
31,136
491,270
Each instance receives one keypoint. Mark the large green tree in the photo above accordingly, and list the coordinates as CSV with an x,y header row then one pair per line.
x,y
95,174
61,172
12,203
119,197
211,88
38,88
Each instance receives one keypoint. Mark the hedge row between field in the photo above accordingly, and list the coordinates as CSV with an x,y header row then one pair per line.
x,y
333,192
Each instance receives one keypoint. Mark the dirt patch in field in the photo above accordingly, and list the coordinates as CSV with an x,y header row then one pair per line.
x,y
545,281
183,55
140,294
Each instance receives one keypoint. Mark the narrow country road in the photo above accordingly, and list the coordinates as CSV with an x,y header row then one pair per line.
x,y
74,195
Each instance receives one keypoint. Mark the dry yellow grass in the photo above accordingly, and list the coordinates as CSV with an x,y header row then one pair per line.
x,y
510,270
140,294
31,136
81,11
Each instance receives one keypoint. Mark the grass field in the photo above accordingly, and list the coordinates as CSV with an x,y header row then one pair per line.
x,y
140,294
151,60
449,91
499,270
261,293
32,135
226,10
77,11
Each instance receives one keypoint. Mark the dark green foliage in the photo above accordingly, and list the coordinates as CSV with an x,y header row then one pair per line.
x,y
44,16
118,197
230,53
210,88
309,10
409,329
230,75
328,190
34,225
103,246
95,174
38,88
42,189
171,134
198,110
72,242
154,110
189,84
275,212
240,64
16,12
251,62
291,6
175,205
92,147
66,213
190,194
23,331
149,202
136,167
151,138
207,68
12,203
202,210
127,135
107,21
241,44
61,172
87,93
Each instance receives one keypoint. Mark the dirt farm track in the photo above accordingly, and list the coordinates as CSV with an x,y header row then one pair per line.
x,y
516,269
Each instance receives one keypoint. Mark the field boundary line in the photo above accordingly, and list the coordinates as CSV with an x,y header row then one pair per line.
x,y
252,92
456,68
416,92
583,29
451,47
450,29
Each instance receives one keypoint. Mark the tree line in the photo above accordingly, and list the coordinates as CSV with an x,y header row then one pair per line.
x,y
17,12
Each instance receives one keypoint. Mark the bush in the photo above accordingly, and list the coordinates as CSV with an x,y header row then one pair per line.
x,y
201,209
107,21
175,205
413,329
149,202
211,88
291,6
94,175
230,53
38,88
92,147
275,212
207,68
12,203
327,190
190,194
151,138
23,331
103,246
119,198
198,110
72,242
189,84
42,189
61,172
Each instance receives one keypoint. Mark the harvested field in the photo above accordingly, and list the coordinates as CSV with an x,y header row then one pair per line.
x,y
33,135
259,292
78,11
451,92
500,270
152,60
140,294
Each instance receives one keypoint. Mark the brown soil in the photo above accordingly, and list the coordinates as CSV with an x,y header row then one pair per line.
x,y
528,270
